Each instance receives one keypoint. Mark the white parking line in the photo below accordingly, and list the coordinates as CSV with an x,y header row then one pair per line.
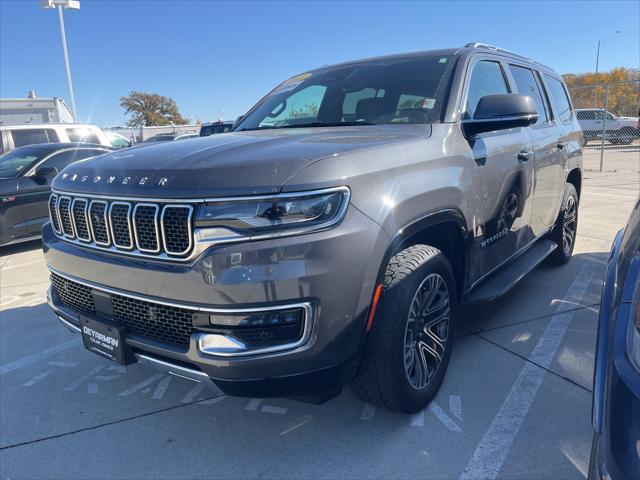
x,y
86,376
37,378
20,265
443,417
417,420
455,406
368,412
36,357
141,385
253,404
490,454
193,393
276,410
161,388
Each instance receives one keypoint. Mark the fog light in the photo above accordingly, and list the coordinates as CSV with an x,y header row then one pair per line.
x,y
257,319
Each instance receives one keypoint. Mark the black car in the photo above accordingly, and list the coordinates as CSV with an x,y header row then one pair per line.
x,y
25,185
215,127
615,452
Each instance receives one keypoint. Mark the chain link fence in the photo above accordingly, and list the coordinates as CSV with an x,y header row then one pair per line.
x,y
608,114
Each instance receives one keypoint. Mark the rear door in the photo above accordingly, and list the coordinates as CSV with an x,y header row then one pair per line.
x,y
548,159
504,181
35,192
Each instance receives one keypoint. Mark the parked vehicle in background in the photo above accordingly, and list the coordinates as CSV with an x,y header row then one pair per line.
x,y
615,452
170,137
618,130
332,235
25,185
211,128
15,136
117,141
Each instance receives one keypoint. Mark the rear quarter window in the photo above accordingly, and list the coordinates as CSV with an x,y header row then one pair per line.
x,y
32,136
560,99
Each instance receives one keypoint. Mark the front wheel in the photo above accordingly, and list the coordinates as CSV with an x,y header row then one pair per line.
x,y
408,350
566,227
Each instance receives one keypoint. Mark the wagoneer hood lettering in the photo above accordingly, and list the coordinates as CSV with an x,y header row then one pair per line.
x,y
235,164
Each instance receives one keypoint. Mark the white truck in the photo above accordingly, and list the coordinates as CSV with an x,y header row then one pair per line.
x,y
617,130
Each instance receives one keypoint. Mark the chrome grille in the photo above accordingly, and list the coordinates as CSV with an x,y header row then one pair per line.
x,y
53,213
144,318
145,227
79,218
119,215
64,204
98,223
139,228
177,239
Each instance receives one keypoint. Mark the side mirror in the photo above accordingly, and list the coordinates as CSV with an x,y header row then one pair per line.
x,y
44,173
501,112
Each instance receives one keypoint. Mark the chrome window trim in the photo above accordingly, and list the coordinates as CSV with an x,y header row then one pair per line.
x,y
155,226
55,209
113,236
106,224
189,228
73,229
86,219
308,320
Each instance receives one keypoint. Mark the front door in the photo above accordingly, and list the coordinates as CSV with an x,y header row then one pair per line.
x,y
504,178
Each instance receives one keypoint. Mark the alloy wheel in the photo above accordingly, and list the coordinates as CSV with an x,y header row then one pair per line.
x,y
426,331
569,224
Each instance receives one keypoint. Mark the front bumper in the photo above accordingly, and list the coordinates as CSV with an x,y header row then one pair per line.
x,y
335,271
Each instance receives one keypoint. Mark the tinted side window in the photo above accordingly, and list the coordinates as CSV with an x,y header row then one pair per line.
x,y
62,159
83,135
527,85
32,136
585,115
560,99
487,79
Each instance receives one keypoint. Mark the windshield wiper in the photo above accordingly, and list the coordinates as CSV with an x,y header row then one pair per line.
x,y
310,124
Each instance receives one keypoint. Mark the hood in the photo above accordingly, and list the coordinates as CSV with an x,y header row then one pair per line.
x,y
239,163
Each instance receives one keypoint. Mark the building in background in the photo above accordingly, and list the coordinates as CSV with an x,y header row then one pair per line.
x,y
20,111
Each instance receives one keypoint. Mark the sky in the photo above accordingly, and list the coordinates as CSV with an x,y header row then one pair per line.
x,y
219,58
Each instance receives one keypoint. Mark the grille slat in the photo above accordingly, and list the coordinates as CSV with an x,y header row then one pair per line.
x,y
137,228
145,226
64,210
143,318
79,217
176,228
53,213
98,222
119,216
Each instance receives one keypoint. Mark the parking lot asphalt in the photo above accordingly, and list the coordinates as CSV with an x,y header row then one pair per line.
x,y
516,402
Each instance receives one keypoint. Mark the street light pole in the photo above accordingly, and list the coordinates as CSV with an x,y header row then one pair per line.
x,y
595,90
66,63
75,5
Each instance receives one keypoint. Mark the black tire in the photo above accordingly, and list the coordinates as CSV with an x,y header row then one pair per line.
x,y
566,223
384,379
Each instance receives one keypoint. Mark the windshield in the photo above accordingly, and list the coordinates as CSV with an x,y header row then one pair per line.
x,y
161,138
16,161
395,91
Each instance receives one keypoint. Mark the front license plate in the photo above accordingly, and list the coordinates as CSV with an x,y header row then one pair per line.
x,y
105,339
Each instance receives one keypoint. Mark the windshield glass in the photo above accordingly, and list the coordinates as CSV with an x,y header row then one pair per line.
x,y
393,91
16,161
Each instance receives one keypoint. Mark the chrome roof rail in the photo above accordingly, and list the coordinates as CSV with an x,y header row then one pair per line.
x,y
502,50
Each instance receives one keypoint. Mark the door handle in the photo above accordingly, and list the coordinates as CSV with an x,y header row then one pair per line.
x,y
525,155
561,145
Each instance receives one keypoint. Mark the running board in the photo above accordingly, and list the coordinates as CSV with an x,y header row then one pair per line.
x,y
502,281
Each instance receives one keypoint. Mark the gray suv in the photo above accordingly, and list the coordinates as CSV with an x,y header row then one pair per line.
x,y
332,236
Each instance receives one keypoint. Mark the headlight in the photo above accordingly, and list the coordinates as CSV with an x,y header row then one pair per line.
x,y
285,214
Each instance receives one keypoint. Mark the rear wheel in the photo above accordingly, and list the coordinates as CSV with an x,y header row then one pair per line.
x,y
408,350
564,231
